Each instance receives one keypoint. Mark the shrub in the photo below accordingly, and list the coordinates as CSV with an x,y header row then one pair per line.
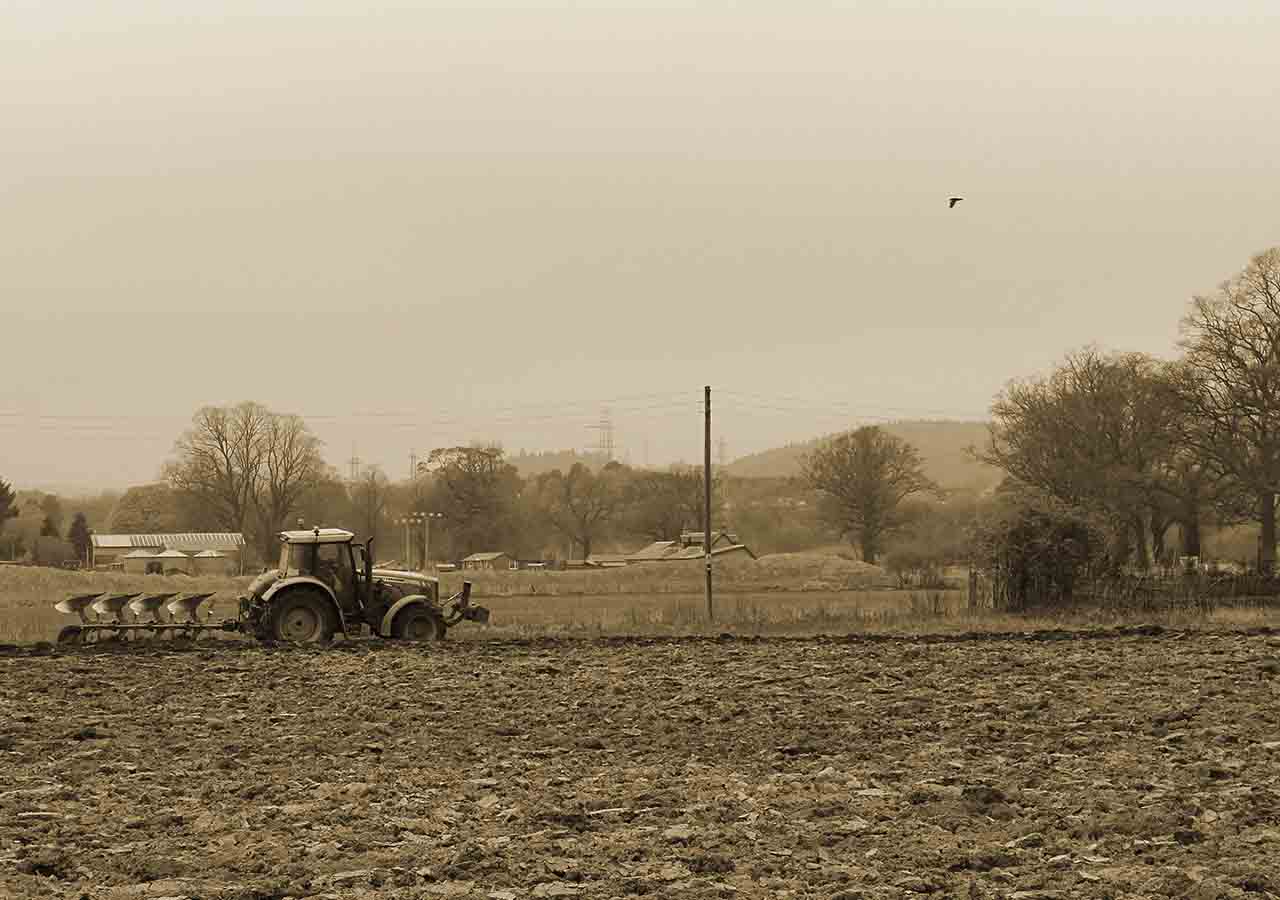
x,y
1036,549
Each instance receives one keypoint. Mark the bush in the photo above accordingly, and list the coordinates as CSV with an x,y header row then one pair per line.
x,y
1036,549
916,567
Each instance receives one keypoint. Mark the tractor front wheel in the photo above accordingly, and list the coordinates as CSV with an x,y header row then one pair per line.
x,y
417,623
301,617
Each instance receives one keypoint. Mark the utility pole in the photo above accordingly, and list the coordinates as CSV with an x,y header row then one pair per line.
x,y
706,512
354,462
407,522
424,519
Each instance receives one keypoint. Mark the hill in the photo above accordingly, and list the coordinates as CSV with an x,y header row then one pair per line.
x,y
531,465
942,445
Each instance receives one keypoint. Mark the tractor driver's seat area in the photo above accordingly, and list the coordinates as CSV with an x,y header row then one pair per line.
x,y
333,567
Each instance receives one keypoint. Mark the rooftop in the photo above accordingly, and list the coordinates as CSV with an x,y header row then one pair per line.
x,y
317,536
190,541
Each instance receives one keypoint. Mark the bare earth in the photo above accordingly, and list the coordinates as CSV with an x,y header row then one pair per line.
x,y
1121,765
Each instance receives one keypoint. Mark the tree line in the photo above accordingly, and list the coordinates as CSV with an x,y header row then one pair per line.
x,y
247,469
1120,460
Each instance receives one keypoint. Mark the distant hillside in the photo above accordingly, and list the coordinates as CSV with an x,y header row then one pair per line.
x,y
942,445
531,465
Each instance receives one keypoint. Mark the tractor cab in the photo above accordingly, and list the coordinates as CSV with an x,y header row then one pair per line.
x,y
331,556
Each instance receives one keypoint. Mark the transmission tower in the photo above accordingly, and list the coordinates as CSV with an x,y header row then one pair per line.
x,y
605,427
722,452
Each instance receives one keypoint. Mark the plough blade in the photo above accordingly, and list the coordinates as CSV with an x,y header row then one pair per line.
x,y
113,605
150,605
77,605
188,606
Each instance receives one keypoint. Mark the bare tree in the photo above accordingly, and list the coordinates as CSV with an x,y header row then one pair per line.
x,y
219,460
1229,387
476,489
663,504
246,464
291,466
369,497
580,503
863,477
1095,433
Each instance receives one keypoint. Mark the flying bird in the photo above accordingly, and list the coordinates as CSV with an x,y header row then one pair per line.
x,y
953,201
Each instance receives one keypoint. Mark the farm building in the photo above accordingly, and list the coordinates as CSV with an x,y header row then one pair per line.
x,y
112,549
494,560
214,562
174,561
141,561
724,544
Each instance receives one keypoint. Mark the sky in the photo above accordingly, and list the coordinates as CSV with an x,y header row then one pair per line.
x,y
423,224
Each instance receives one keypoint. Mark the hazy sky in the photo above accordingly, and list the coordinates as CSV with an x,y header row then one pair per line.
x,y
424,224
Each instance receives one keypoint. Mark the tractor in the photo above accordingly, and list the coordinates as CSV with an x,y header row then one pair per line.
x,y
326,583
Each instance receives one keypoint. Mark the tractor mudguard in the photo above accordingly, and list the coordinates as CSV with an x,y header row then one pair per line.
x,y
400,604
285,584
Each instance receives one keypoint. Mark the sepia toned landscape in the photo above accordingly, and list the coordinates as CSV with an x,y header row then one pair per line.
x,y
522,450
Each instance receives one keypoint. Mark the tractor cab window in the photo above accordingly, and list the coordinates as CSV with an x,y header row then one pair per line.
x,y
295,559
333,566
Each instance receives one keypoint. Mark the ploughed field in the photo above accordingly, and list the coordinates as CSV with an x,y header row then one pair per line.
x,y
1118,764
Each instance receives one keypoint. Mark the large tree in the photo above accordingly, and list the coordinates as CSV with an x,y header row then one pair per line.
x,y
863,476
1095,433
369,494
8,503
248,466
219,460
327,503
476,489
79,537
664,504
291,467
51,506
1229,387
146,509
580,504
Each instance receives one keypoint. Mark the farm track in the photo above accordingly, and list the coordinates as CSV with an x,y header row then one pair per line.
x,y
1138,762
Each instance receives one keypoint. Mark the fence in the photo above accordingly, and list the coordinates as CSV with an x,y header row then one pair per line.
x,y
1142,591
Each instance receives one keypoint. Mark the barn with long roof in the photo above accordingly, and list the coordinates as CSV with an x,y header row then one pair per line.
x,y
106,550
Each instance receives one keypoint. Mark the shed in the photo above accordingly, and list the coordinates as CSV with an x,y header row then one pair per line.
x,y
491,560
136,561
175,561
213,562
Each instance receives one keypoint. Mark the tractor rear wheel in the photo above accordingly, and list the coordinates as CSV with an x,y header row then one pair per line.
x,y
301,617
418,623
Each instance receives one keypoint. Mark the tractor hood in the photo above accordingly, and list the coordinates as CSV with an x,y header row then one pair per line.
x,y
416,580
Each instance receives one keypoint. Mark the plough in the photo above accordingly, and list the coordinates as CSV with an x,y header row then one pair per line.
x,y
183,618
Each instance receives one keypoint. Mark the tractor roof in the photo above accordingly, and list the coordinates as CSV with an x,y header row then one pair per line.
x,y
317,536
